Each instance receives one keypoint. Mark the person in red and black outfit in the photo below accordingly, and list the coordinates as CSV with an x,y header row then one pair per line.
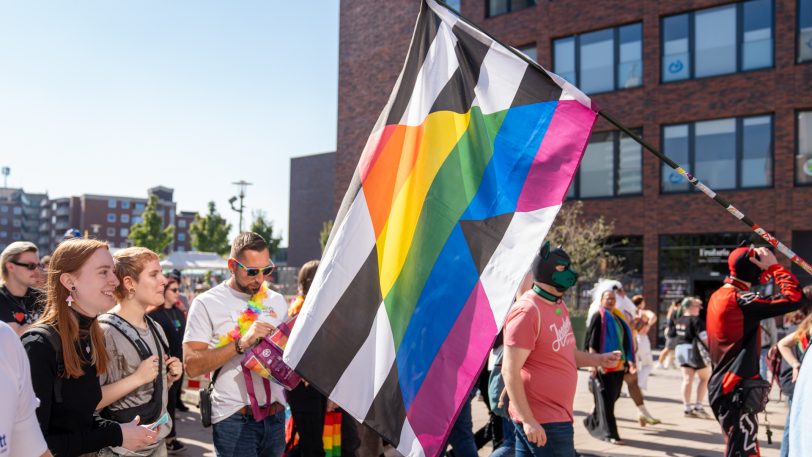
x,y
734,337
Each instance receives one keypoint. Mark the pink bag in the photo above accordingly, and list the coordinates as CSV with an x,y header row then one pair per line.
x,y
265,359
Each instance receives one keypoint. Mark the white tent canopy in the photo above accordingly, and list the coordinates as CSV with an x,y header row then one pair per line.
x,y
186,260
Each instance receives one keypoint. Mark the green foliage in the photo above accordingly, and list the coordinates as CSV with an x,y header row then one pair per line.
x,y
265,228
587,243
150,232
210,232
324,235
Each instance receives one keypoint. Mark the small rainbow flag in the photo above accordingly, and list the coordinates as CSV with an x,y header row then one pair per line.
x,y
455,190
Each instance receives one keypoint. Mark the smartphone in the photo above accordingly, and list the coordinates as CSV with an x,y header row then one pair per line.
x,y
161,421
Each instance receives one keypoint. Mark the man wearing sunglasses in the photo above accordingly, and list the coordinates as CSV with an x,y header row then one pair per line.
x,y
214,315
19,300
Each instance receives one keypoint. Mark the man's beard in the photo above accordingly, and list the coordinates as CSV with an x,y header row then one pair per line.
x,y
246,289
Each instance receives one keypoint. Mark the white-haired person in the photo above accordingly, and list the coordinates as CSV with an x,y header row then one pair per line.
x,y
629,311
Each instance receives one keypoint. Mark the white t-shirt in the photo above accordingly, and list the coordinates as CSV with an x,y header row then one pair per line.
x,y
214,314
20,434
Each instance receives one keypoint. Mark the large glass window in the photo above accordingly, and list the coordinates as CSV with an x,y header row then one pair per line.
x,y
676,48
757,34
497,7
803,162
529,50
717,41
757,146
454,4
733,153
596,62
804,30
603,60
564,58
612,166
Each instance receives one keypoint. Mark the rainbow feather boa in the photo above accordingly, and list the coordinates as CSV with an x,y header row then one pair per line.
x,y
254,308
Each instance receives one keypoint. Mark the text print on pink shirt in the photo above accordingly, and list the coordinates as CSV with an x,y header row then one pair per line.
x,y
563,335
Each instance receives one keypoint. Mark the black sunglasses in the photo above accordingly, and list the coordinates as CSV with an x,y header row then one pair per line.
x,y
251,271
28,266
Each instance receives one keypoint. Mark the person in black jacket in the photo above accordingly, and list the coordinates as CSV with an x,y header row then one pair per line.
x,y
66,352
173,321
734,336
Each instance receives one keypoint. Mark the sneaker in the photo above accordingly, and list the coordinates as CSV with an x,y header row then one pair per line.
x,y
182,407
699,411
660,366
688,412
175,447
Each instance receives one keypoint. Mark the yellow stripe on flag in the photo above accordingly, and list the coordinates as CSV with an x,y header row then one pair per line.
x,y
442,131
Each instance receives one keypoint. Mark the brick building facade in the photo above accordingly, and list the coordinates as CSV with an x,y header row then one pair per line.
x,y
44,221
682,234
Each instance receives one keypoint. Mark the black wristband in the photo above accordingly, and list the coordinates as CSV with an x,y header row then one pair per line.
x,y
239,348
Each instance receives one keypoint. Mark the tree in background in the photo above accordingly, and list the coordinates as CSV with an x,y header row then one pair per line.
x,y
210,232
587,243
265,228
150,232
324,235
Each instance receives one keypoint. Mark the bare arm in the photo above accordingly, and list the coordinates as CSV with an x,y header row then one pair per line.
x,y
785,348
591,359
146,372
511,372
199,359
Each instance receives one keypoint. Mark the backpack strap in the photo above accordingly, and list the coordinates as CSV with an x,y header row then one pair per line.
x,y
129,332
51,335
159,338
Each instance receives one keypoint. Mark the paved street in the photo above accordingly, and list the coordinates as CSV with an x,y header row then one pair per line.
x,y
677,436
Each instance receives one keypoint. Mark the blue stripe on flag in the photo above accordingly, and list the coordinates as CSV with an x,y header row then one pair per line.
x,y
440,302
514,150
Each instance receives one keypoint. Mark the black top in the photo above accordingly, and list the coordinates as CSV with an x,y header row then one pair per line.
x,y
174,324
594,337
23,310
689,328
71,428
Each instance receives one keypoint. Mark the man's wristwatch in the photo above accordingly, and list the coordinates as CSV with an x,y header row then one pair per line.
x,y
240,349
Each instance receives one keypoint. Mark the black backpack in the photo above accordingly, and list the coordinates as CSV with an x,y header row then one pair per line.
x,y
51,335
151,410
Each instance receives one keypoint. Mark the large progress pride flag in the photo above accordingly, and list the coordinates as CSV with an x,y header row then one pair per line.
x,y
456,188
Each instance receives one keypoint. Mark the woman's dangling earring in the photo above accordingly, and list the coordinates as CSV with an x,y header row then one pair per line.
x,y
70,296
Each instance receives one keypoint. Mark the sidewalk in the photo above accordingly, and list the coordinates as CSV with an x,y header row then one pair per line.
x,y
677,436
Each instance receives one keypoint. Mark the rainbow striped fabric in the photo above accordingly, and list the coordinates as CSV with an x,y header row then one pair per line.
x,y
456,188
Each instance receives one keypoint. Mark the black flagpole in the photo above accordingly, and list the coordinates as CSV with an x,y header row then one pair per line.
x,y
781,247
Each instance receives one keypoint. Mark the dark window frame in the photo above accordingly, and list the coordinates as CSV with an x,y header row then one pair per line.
x,y
739,42
616,59
576,180
510,8
690,166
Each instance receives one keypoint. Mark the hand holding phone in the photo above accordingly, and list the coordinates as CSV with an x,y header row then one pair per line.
x,y
161,421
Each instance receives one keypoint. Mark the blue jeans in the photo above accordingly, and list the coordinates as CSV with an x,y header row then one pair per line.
x,y
763,371
560,441
241,436
461,437
508,446
784,452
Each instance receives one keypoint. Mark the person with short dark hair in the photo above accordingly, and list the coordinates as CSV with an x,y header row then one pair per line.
x,y
215,341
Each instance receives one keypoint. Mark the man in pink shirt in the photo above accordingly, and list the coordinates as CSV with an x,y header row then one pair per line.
x,y
540,362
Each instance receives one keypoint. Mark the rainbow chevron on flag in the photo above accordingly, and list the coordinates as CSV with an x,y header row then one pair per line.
x,y
456,188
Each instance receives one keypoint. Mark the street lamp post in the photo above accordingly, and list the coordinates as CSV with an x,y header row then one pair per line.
x,y
242,186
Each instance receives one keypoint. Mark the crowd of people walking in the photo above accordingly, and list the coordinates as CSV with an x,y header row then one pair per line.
x,y
99,343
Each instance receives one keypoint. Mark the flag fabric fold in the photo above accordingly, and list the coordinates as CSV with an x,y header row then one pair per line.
x,y
457,186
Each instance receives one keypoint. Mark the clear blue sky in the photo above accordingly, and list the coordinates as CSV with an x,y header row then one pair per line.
x,y
113,97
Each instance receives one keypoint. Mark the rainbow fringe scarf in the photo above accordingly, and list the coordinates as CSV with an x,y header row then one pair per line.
x,y
254,308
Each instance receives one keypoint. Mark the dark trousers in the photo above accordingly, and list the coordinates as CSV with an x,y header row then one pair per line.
x,y
740,429
602,420
307,406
